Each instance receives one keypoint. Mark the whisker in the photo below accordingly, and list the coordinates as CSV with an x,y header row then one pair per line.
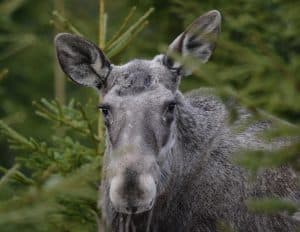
x,y
150,218
128,221
121,224
133,226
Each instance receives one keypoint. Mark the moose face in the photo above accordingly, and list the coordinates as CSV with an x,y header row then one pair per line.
x,y
139,113
139,108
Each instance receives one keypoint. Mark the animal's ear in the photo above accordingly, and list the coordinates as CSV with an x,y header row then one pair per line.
x,y
82,60
197,41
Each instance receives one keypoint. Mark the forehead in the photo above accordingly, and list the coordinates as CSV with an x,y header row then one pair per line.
x,y
144,99
139,76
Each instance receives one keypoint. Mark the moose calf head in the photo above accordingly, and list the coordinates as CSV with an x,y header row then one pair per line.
x,y
139,108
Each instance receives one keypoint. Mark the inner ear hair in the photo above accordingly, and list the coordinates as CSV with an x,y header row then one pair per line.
x,y
197,41
82,60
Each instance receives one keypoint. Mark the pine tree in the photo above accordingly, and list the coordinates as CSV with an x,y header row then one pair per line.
x,y
53,185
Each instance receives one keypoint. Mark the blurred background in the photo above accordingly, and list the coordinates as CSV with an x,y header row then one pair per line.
x,y
257,56
258,52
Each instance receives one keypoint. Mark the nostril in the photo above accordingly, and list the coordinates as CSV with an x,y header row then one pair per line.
x,y
134,209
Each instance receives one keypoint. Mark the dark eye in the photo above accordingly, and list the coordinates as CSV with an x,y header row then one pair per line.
x,y
105,110
171,107
169,112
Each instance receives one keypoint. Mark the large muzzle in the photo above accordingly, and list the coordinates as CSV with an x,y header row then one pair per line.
x,y
132,192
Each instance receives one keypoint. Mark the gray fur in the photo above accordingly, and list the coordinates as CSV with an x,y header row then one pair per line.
x,y
170,169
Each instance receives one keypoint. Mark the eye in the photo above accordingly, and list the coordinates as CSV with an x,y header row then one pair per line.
x,y
169,112
171,107
105,111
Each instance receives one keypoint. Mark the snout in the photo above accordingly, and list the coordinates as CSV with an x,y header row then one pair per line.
x,y
132,193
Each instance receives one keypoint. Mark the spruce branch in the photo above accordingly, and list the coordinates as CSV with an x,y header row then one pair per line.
x,y
102,24
122,27
66,116
8,174
127,35
3,73
124,43
18,45
93,136
20,142
16,175
56,197
63,23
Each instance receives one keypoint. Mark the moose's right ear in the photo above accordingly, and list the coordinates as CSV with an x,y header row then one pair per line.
x,y
82,60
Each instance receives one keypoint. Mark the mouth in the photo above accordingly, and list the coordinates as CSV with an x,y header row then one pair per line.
x,y
132,209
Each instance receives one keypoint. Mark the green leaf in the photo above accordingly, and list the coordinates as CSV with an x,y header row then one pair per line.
x,y
272,206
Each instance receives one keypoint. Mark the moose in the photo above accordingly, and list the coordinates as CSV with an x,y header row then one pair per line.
x,y
167,165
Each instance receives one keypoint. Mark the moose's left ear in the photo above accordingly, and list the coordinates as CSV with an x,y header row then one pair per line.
x,y
82,60
198,40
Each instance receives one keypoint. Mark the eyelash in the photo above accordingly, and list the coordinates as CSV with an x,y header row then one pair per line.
x,y
105,109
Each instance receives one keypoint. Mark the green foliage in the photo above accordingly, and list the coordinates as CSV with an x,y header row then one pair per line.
x,y
258,52
10,42
3,73
59,191
53,184
256,160
272,206
120,41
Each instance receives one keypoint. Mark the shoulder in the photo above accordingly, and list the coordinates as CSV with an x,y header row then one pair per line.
x,y
207,103
203,97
